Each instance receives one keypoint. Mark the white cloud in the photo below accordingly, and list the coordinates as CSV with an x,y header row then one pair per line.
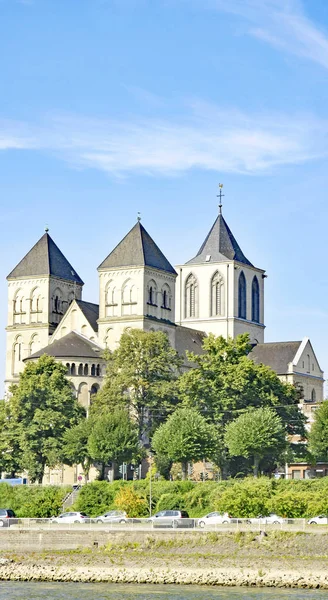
x,y
281,23
208,138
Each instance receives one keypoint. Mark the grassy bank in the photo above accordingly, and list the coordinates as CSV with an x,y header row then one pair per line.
x,y
281,558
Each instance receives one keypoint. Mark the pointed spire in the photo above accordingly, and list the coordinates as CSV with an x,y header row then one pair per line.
x,y
219,245
45,259
137,249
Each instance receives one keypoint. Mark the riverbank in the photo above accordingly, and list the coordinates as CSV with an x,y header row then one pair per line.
x,y
280,559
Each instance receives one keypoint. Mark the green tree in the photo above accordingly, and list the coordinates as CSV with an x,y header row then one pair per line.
x,y
114,437
185,437
41,408
75,446
318,439
226,382
257,433
141,376
10,453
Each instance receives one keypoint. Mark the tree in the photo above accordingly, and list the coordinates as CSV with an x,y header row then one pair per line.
x,y
75,446
114,437
318,439
41,408
225,382
257,433
141,376
185,437
10,453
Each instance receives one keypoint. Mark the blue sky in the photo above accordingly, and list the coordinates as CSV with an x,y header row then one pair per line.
x,y
110,107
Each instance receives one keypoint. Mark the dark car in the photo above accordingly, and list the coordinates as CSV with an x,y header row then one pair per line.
x,y
7,517
172,518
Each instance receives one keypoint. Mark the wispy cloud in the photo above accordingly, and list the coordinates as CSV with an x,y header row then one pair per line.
x,y
280,23
208,138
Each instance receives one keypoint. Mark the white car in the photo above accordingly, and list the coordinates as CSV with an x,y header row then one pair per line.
x,y
214,518
320,520
271,519
71,517
112,516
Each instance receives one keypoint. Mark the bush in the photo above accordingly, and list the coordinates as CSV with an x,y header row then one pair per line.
x,y
33,501
135,506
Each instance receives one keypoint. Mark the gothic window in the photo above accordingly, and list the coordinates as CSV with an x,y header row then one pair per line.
x,y
313,395
34,344
17,354
150,299
126,293
255,300
242,296
217,295
191,296
152,293
35,306
166,297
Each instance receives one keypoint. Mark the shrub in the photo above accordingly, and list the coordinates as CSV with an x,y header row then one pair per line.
x,y
97,497
127,499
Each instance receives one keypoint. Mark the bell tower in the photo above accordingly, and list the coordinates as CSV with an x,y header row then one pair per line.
x,y
219,290
40,288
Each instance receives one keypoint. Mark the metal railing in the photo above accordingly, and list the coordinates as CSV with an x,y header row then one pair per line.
x,y
173,524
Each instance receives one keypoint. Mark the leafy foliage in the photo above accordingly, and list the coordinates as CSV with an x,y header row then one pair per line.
x,y
185,437
318,440
40,410
75,446
114,437
127,499
30,501
141,376
258,433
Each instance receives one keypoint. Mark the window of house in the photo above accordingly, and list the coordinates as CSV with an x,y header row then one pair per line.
x,y
216,295
296,474
191,296
242,296
313,395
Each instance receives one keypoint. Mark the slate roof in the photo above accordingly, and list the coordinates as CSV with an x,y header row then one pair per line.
x,y
45,258
71,345
190,340
220,245
90,311
137,249
276,355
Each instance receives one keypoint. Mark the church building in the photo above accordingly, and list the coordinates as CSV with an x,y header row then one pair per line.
x,y
217,291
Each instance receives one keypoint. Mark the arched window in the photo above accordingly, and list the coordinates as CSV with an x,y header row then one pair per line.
x,y
73,369
166,296
34,344
86,370
150,298
36,306
98,370
191,296
93,370
242,296
313,396
255,300
308,362
152,293
80,369
68,367
83,395
17,355
217,295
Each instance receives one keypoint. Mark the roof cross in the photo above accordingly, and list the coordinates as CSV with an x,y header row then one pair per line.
x,y
220,195
139,217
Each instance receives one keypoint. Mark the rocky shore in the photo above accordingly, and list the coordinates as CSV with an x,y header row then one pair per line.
x,y
11,571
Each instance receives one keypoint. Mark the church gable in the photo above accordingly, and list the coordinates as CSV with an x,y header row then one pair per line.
x,y
80,317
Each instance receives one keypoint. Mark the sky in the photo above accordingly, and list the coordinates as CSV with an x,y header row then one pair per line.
x,y
113,107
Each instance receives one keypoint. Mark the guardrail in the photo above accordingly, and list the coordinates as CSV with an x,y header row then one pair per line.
x,y
148,525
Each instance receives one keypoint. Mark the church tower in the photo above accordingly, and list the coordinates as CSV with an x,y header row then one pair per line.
x,y
137,289
219,290
40,288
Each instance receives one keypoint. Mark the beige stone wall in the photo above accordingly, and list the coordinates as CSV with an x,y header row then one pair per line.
x,y
74,320
226,323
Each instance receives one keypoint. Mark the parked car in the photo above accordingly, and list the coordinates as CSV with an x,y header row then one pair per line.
x,y
214,518
71,517
271,519
172,518
7,517
112,516
320,520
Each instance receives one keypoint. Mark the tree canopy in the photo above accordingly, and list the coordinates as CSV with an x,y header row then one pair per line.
x,y
226,381
75,446
114,437
141,376
318,438
41,408
185,437
257,433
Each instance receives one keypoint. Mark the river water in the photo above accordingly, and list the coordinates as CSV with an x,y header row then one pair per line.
x,y
108,591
